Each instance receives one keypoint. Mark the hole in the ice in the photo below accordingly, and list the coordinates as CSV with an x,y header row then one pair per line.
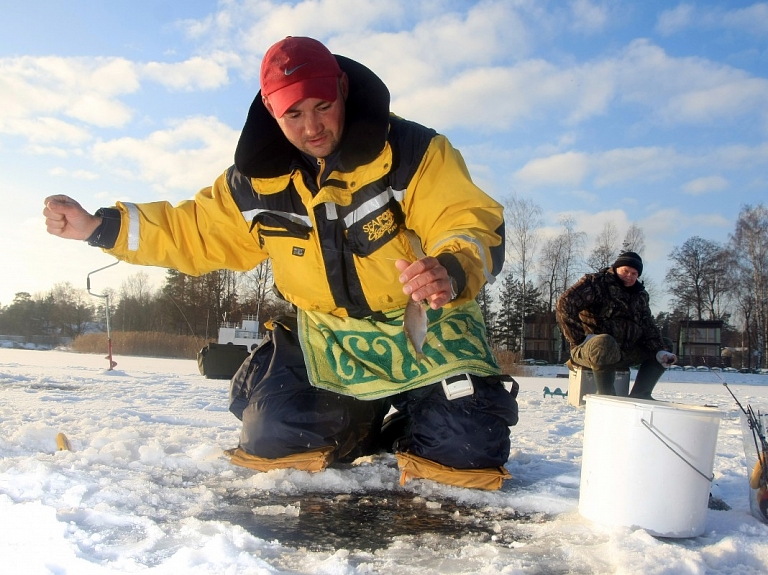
x,y
362,521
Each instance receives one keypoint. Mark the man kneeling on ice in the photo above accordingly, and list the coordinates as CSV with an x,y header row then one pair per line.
x,y
360,212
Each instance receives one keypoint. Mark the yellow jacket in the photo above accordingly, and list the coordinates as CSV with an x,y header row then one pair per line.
x,y
333,231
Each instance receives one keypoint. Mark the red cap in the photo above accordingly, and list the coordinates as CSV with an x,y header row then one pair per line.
x,y
297,68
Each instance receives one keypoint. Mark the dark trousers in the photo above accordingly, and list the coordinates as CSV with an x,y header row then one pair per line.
x,y
603,356
283,414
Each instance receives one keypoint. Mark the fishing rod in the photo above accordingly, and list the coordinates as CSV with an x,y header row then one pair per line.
x,y
758,479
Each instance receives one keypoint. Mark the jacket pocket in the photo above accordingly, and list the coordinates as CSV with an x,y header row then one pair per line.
x,y
271,233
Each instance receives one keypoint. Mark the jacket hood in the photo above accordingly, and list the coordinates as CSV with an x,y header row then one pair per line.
x,y
264,152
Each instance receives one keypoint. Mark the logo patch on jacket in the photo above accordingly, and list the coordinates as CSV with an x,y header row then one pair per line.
x,y
297,251
384,224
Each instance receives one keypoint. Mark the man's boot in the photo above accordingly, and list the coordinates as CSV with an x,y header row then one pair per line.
x,y
604,381
647,376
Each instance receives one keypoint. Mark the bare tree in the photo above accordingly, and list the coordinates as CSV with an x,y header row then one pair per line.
x,y
137,287
135,309
573,249
651,287
220,289
749,248
560,261
74,310
523,221
743,297
634,240
548,266
698,280
606,248
257,285
198,303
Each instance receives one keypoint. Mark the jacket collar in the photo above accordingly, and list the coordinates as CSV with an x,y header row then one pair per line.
x,y
264,152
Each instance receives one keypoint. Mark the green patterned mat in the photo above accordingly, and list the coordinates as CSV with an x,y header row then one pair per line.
x,y
372,359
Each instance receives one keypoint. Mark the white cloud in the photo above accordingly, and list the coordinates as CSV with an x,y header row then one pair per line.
x,y
264,23
43,98
606,168
646,164
214,25
670,90
687,90
45,130
739,155
752,19
188,155
568,169
587,16
411,45
193,74
705,185
584,196
734,97
709,221
494,99
592,224
75,174
642,163
98,110
441,49
675,20
656,226
54,151
467,98
453,69
85,89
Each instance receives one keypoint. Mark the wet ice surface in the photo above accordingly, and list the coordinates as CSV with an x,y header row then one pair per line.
x,y
147,489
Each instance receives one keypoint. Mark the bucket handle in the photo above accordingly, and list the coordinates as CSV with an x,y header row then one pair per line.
x,y
672,449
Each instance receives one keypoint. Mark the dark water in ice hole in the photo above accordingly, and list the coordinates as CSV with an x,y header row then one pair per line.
x,y
363,521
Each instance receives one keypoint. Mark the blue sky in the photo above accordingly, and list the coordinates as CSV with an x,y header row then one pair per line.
x,y
645,112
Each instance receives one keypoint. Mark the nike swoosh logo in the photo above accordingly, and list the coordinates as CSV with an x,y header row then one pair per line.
x,y
292,70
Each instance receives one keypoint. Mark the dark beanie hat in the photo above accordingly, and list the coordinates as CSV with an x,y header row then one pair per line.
x,y
630,259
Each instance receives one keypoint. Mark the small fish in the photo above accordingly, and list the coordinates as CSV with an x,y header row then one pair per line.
x,y
759,473
415,325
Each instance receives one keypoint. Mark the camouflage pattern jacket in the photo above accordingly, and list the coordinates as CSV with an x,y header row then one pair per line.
x,y
599,303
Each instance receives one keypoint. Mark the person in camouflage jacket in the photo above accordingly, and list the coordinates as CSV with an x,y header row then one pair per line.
x,y
606,318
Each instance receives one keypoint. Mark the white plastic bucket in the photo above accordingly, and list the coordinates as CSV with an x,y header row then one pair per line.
x,y
647,464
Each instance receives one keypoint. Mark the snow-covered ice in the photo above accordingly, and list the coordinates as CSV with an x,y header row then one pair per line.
x,y
146,488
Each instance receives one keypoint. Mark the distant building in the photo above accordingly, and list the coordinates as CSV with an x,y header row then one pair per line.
x,y
737,357
542,338
699,343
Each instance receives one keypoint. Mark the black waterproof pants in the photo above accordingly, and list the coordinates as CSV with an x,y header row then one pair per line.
x,y
283,414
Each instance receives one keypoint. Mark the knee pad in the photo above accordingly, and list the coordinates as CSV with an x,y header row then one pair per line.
x,y
602,351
